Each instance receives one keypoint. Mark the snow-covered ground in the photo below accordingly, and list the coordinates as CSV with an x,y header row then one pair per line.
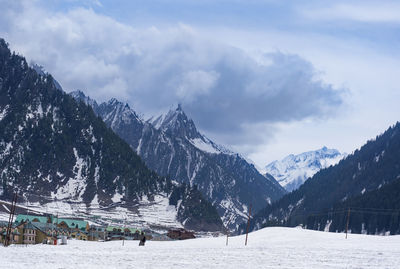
x,y
267,248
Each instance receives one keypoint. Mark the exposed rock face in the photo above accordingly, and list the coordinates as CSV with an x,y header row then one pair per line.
x,y
172,146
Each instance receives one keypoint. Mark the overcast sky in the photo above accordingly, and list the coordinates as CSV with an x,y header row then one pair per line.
x,y
266,78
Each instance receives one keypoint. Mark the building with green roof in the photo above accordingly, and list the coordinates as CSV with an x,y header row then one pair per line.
x,y
63,223
72,223
31,218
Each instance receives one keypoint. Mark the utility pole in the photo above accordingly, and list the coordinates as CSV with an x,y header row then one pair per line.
x,y
227,229
123,238
56,230
348,218
248,225
10,220
227,236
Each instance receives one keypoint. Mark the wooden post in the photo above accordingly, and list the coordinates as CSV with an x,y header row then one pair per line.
x,y
227,235
348,218
248,226
123,239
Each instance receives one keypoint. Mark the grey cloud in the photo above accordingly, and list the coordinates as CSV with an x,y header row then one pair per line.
x,y
249,93
225,91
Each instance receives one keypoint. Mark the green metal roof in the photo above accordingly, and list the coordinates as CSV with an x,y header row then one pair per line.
x,y
111,228
29,225
22,218
72,223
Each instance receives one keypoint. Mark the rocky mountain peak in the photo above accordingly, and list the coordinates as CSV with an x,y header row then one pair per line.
x,y
294,170
117,112
80,96
41,71
176,122
114,102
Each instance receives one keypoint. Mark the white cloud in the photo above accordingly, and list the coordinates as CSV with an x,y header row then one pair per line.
x,y
364,11
195,83
369,71
227,92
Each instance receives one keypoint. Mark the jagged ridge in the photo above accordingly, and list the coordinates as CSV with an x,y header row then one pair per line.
x,y
294,170
173,147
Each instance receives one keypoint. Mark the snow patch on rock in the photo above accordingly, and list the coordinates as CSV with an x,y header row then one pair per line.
x,y
3,113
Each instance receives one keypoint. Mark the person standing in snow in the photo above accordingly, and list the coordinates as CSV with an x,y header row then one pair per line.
x,y
142,239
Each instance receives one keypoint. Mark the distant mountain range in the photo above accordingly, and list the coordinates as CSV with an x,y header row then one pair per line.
x,y
57,153
294,170
172,146
364,186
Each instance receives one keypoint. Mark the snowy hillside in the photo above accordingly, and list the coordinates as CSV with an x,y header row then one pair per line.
x,y
154,213
294,170
172,146
267,248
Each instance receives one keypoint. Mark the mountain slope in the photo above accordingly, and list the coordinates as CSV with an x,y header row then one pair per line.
x,y
173,147
53,148
373,212
294,170
376,164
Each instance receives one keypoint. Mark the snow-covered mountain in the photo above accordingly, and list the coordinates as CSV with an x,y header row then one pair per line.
x,y
56,151
172,146
294,170
176,123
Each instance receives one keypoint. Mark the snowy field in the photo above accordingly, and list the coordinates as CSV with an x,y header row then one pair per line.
x,y
267,248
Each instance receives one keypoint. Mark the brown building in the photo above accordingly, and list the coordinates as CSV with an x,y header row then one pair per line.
x,y
180,234
33,233
15,234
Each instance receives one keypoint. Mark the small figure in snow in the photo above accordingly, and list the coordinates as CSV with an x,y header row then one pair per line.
x,y
142,239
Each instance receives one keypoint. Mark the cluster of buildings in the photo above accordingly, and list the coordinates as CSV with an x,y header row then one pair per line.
x,y
31,229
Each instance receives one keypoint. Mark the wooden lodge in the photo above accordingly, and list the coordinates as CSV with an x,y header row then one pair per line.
x,y
180,234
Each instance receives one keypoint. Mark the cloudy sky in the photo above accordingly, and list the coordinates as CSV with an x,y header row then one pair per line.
x,y
264,77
